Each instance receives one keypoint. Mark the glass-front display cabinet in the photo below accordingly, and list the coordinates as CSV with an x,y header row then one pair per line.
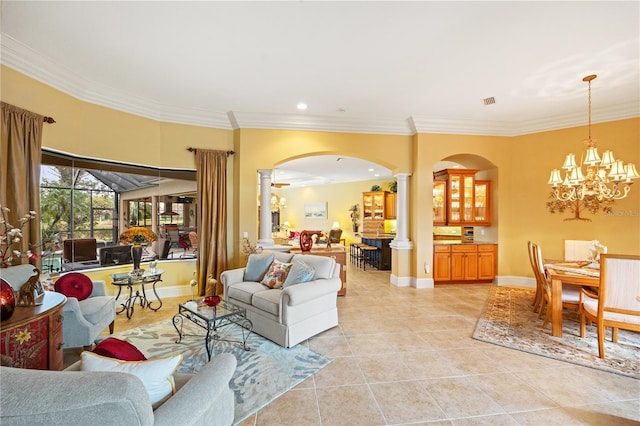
x,y
466,201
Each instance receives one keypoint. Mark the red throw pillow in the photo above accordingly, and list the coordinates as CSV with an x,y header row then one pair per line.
x,y
119,349
74,284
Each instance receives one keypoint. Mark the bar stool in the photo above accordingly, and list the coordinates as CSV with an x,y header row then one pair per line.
x,y
369,254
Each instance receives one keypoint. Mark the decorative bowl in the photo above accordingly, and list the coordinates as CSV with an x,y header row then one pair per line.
x,y
211,300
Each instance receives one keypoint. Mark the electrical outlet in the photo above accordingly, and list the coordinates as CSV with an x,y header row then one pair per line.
x,y
427,267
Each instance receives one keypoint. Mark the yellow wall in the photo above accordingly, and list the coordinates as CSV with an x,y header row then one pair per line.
x,y
519,167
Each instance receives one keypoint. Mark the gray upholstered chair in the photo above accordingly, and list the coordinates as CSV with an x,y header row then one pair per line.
x,y
86,315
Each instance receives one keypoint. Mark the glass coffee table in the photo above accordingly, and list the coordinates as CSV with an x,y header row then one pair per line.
x,y
213,319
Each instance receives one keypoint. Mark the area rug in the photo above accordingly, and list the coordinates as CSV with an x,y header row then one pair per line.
x,y
509,321
263,373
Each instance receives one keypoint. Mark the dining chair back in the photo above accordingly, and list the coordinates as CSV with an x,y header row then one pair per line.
x,y
577,250
538,300
570,293
617,304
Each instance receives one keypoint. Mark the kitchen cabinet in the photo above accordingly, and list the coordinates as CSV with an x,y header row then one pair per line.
x,y
390,205
439,203
481,203
487,261
464,263
373,205
466,201
441,263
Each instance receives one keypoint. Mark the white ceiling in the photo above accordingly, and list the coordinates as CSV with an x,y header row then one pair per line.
x,y
373,67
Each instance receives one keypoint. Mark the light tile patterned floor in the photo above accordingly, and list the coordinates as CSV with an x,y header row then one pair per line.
x,y
406,356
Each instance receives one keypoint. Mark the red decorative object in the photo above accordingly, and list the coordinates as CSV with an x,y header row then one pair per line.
x,y
306,242
211,300
7,300
119,349
75,284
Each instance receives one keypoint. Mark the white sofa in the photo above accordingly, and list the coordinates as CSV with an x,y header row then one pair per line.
x,y
292,314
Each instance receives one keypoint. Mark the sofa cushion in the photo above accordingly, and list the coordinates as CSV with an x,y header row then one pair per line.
x,y
258,265
268,301
74,284
321,264
119,349
283,257
156,374
300,273
277,273
244,291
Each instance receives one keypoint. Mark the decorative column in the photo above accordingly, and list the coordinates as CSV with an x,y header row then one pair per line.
x,y
265,239
401,241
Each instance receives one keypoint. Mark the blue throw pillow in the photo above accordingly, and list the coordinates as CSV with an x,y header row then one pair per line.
x,y
258,265
300,273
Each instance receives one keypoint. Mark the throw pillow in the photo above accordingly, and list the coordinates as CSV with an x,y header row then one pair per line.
x,y
74,284
300,273
156,374
277,273
258,265
119,349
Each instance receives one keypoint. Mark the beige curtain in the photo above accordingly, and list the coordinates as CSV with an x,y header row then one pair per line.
x,y
212,218
20,160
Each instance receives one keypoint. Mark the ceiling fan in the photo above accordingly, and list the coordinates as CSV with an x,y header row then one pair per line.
x,y
275,184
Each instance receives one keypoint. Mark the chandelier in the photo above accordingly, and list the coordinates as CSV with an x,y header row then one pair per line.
x,y
595,187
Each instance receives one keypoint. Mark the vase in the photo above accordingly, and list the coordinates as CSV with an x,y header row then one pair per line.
x,y
306,242
7,300
136,255
355,228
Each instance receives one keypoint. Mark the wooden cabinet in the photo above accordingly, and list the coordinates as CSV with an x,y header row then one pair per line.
x,y
482,213
373,205
32,337
466,201
339,254
464,263
487,261
390,205
439,203
441,263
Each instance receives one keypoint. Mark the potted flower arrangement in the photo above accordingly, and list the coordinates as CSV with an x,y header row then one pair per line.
x,y
137,235
10,236
354,213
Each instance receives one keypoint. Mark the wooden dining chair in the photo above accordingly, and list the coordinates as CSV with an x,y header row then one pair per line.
x,y
538,300
617,304
570,293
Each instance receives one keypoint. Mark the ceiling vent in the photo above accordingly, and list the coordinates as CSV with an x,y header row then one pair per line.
x,y
489,101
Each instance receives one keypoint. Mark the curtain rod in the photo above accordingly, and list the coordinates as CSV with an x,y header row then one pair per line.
x,y
194,150
49,120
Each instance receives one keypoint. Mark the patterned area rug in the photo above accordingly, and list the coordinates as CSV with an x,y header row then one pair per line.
x,y
263,373
509,321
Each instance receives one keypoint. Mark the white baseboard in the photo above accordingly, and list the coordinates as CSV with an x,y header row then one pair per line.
x,y
422,283
400,281
164,292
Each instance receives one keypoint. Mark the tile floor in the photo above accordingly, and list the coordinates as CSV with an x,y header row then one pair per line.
x,y
406,356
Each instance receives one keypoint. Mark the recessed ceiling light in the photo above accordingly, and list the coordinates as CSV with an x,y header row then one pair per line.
x,y
370,170
302,106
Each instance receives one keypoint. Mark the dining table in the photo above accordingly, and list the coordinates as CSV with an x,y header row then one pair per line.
x,y
583,274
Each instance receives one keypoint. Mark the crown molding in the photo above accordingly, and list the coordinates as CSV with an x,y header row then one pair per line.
x,y
256,120
27,61
31,63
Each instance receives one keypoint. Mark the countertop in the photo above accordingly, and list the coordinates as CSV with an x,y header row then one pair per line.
x,y
379,237
449,242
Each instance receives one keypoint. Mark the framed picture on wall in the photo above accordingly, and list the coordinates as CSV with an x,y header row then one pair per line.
x,y
315,211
